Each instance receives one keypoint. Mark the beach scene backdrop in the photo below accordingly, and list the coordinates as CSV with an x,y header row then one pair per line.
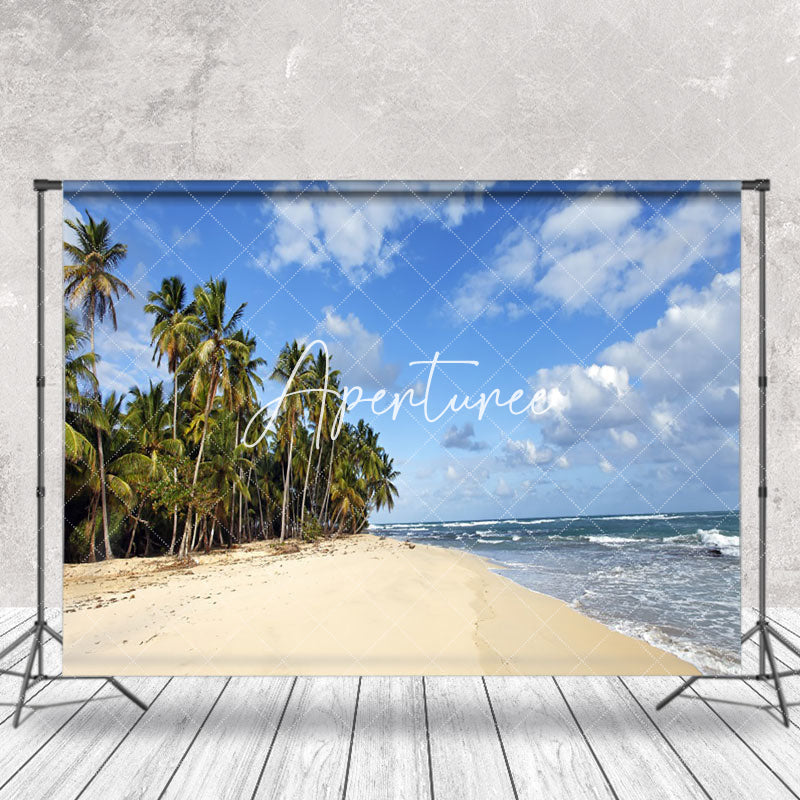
x,y
401,428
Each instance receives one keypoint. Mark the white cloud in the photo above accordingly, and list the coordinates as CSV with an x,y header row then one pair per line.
x,y
459,205
185,238
491,291
606,465
626,439
599,252
617,268
668,395
503,490
357,231
347,231
609,376
589,215
699,332
525,452
585,399
356,352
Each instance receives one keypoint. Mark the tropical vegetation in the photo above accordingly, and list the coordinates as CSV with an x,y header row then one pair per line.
x,y
163,468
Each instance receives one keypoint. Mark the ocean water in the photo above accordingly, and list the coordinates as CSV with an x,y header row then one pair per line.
x,y
670,579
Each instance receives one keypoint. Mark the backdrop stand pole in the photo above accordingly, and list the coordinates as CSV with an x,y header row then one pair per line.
x,y
762,628
40,628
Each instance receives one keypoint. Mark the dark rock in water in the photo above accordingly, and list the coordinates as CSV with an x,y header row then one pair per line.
x,y
714,551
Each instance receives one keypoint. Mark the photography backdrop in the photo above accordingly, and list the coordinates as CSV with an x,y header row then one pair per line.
x,y
395,92
291,386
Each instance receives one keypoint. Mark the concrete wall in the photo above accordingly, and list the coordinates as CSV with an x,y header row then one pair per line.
x,y
403,89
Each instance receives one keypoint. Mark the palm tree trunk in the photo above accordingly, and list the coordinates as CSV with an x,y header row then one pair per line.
x,y
249,503
315,489
147,537
175,470
232,522
286,486
233,488
239,527
133,533
183,552
100,456
92,528
210,540
194,531
305,484
174,530
260,511
104,506
250,523
328,489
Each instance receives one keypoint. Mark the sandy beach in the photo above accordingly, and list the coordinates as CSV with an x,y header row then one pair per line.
x,y
360,605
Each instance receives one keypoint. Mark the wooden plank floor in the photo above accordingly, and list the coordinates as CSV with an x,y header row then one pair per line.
x,y
373,738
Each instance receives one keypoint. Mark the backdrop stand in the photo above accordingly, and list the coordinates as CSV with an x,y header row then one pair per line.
x,y
762,628
40,628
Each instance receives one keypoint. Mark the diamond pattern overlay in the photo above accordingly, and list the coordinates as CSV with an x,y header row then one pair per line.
x,y
583,437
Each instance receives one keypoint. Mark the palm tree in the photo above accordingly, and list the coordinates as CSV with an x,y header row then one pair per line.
x,y
222,468
208,362
90,283
147,423
80,455
172,341
78,451
321,410
241,397
346,495
125,468
382,491
288,361
77,364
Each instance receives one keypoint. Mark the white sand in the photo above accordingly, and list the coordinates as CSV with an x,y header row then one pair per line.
x,y
360,605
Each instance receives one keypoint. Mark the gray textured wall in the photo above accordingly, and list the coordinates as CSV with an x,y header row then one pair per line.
x,y
413,90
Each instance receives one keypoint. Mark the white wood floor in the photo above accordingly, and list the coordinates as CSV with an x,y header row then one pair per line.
x,y
396,738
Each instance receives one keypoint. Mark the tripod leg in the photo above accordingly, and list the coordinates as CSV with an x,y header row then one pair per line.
x,y
40,650
130,695
55,634
776,678
16,643
792,648
26,678
746,636
682,688
113,681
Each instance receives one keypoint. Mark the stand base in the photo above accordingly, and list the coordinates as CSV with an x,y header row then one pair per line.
x,y
765,633
38,631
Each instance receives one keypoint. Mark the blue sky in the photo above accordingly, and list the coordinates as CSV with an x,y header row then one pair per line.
x,y
620,300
